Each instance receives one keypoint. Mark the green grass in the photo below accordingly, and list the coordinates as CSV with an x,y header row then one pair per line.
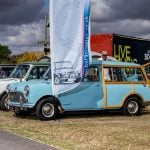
x,y
84,132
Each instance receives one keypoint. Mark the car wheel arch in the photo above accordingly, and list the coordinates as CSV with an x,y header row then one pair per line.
x,y
139,98
54,99
132,105
2,94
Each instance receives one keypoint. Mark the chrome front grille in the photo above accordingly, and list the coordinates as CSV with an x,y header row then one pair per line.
x,y
16,97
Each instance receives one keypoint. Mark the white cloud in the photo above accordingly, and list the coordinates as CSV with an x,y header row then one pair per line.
x,y
24,37
107,16
98,9
121,16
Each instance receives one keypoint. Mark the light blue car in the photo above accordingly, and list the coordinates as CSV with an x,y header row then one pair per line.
x,y
107,85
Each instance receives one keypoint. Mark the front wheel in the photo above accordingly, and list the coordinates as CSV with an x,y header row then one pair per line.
x,y
4,102
132,107
46,110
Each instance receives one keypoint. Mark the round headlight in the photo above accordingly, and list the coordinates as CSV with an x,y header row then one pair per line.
x,y
26,90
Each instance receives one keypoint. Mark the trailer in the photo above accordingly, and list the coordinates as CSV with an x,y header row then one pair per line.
x,y
123,48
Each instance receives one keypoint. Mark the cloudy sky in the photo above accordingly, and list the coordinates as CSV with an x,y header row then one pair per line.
x,y
22,21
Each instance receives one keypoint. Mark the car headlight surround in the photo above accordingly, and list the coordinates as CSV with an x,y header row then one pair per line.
x,y
8,88
26,90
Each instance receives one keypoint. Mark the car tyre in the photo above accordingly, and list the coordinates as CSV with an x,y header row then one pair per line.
x,y
4,103
132,107
46,110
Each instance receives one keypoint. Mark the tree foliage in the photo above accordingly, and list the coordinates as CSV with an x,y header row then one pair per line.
x,y
4,53
6,58
27,57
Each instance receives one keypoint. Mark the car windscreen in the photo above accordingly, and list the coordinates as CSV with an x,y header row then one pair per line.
x,y
5,71
20,71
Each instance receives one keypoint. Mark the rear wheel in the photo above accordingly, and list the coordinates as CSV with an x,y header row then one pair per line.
x,y
132,107
46,110
4,102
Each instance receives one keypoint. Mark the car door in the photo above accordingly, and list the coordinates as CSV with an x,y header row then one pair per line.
x,y
88,95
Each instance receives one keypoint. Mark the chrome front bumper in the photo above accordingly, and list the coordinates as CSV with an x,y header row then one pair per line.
x,y
20,105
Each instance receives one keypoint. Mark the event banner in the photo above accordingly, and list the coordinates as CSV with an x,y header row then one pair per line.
x,y
69,43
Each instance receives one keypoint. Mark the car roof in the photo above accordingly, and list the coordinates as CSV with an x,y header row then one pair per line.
x,y
35,63
7,65
114,63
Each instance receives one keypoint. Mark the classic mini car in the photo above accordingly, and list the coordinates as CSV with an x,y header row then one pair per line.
x,y
107,85
5,70
22,72
64,73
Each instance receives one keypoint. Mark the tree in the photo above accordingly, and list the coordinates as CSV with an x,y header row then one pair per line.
x,y
4,53
26,56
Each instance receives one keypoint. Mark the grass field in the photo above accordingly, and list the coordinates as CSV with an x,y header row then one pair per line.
x,y
84,132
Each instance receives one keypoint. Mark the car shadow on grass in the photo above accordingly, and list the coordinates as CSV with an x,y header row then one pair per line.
x,y
85,114
107,113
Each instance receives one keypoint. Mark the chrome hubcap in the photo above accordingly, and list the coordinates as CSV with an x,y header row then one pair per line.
x,y
132,107
48,110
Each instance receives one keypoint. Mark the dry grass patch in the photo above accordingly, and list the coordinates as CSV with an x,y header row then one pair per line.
x,y
84,132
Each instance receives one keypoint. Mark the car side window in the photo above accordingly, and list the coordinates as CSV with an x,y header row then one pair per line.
x,y
123,74
107,72
134,74
37,72
41,71
33,73
118,74
92,75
